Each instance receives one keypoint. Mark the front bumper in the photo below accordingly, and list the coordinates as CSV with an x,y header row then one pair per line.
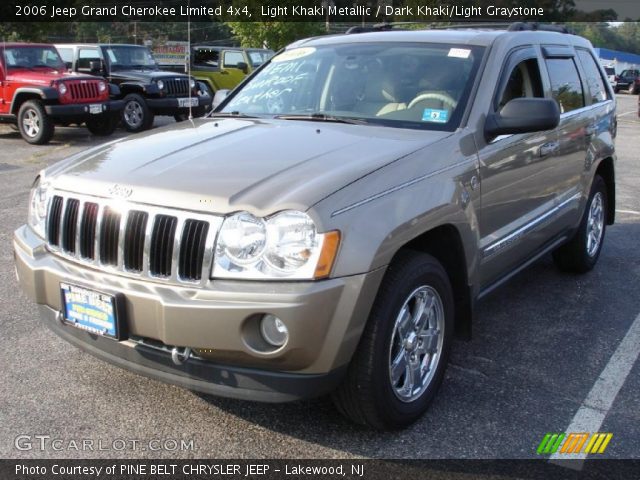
x,y
325,321
171,105
82,110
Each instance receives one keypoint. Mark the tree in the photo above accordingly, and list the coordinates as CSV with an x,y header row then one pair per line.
x,y
273,35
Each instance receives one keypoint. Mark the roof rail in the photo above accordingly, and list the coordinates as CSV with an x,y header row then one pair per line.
x,y
535,26
510,27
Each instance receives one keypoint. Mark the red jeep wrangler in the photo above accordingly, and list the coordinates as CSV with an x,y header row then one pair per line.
x,y
36,92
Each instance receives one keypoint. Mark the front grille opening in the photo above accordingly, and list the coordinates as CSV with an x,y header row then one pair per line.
x,y
109,235
134,235
69,225
161,248
192,245
81,91
88,230
55,213
177,87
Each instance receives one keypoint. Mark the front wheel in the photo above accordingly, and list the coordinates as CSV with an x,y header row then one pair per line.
x,y
34,124
136,114
580,254
102,125
403,353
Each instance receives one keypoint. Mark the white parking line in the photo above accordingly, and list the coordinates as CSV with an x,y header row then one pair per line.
x,y
595,407
630,212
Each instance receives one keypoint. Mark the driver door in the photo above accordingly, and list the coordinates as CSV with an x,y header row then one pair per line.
x,y
517,177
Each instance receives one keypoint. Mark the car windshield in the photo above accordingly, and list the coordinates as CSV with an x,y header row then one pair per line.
x,y
130,57
610,70
31,57
394,84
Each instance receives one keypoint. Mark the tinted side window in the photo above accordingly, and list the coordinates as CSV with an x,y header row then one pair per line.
x,y
595,82
565,83
206,58
85,57
524,82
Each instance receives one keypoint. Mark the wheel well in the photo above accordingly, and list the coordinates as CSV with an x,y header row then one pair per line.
x,y
606,171
444,244
20,99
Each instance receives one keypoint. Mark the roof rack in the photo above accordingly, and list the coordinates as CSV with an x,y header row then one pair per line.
x,y
510,27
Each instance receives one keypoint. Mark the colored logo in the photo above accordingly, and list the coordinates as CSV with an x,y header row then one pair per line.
x,y
574,443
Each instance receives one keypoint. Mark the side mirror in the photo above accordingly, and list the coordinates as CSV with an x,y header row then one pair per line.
x,y
95,66
243,66
523,115
219,97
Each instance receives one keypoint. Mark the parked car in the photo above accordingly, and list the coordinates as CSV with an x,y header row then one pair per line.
x,y
222,68
37,93
629,81
146,90
610,72
333,224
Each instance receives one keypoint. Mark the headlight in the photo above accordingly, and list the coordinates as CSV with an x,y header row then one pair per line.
x,y
284,245
160,84
38,207
102,86
192,83
62,88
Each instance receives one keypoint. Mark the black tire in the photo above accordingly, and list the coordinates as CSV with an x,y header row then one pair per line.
x,y
616,89
136,114
102,125
40,128
181,117
367,394
579,255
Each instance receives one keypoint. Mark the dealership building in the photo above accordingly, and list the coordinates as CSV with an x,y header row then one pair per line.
x,y
619,60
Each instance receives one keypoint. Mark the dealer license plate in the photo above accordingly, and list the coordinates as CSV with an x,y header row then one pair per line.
x,y
95,108
188,102
89,310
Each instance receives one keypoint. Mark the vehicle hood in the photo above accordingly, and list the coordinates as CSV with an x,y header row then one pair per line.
x,y
44,77
226,165
142,75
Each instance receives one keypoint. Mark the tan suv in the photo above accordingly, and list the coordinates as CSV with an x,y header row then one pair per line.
x,y
330,227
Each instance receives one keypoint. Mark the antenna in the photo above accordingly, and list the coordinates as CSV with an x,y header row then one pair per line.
x,y
189,56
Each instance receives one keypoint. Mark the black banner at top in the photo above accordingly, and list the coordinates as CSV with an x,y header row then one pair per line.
x,y
369,11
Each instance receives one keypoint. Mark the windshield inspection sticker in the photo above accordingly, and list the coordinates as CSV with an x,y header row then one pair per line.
x,y
459,53
434,115
293,54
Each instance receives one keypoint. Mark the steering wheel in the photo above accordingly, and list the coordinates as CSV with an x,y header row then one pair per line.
x,y
443,97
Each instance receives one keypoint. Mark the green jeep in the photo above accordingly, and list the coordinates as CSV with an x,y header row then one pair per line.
x,y
222,68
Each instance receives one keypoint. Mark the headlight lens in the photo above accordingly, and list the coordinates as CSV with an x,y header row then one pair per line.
x,y
62,88
38,207
102,86
284,245
160,84
192,83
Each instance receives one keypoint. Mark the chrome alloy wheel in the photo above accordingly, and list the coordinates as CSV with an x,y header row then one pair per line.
x,y
31,123
133,113
416,343
595,224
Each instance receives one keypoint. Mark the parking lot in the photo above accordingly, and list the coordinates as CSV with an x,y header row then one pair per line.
x,y
539,345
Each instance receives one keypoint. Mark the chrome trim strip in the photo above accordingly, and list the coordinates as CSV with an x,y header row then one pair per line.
x,y
513,237
399,187
124,207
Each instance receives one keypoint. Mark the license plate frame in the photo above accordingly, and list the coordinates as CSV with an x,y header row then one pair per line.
x,y
187,102
95,108
96,312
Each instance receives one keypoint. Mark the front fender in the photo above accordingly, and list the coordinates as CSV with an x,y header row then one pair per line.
x,y
46,94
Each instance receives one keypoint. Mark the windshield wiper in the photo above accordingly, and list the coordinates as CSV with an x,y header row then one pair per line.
x,y
233,114
322,117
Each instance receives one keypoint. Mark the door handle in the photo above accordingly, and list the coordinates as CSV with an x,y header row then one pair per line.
x,y
549,149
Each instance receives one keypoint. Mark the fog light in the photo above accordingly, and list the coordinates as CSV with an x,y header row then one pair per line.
x,y
273,330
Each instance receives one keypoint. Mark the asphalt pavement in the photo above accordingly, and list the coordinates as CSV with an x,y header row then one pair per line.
x,y
539,345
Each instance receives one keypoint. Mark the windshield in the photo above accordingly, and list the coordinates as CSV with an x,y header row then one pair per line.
x,y
31,57
121,57
610,70
393,84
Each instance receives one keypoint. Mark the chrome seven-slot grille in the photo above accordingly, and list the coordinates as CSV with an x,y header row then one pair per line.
x,y
177,87
136,240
